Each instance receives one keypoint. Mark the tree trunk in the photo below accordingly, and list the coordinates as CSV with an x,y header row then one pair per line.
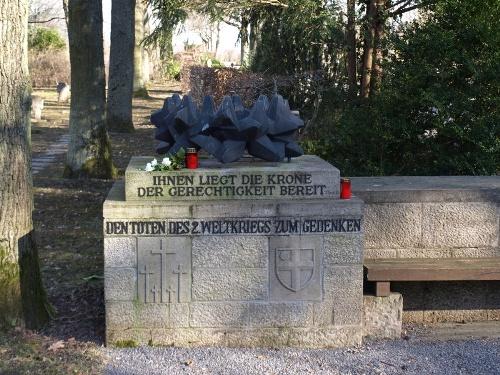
x,y
255,35
146,68
217,40
351,48
378,47
121,66
89,153
368,49
146,56
65,9
22,296
167,45
139,81
244,39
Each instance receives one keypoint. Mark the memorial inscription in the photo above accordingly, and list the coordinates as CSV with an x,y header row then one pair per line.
x,y
258,180
222,226
232,186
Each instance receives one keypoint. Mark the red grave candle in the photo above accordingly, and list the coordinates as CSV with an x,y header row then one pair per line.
x,y
345,188
191,158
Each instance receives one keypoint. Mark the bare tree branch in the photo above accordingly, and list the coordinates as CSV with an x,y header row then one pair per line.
x,y
403,9
399,2
49,20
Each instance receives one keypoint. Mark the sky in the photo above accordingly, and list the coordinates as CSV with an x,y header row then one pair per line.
x,y
228,40
53,8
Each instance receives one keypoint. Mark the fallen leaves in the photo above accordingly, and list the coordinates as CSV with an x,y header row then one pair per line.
x,y
188,362
56,346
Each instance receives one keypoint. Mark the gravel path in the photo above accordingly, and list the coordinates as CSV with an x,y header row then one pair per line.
x,y
386,357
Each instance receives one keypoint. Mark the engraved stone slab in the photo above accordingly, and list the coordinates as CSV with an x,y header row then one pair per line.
x,y
303,178
295,272
164,269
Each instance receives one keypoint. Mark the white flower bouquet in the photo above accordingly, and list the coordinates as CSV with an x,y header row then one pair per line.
x,y
168,163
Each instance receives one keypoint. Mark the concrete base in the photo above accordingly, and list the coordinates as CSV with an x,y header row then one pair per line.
x,y
383,316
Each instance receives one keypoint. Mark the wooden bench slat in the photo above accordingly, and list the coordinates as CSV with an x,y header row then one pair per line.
x,y
433,269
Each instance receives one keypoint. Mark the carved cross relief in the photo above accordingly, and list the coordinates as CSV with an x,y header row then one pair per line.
x,y
164,270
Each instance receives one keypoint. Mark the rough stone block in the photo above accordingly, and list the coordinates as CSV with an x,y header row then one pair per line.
x,y
152,315
332,337
460,224
324,314
120,284
261,337
460,316
459,295
130,337
423,253
189,337
476,252
281,314
344,208
413,316
230,209
120,315
393,225
134,314
382,316
343,286
218,314
238,284
179,314
343,248
493,314
347,314
120,252
380,253
230,252
154,210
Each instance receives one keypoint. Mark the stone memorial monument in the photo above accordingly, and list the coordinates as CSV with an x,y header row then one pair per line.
x,y
252,253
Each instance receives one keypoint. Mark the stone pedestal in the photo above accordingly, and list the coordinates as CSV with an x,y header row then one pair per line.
x,y
226,264
383,316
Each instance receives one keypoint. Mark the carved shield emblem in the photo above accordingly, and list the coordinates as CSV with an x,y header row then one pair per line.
x,y
294,267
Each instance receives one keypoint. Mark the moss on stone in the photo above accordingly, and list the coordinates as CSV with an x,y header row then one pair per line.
x,y
10,291
37,310
119,125
141,93
100,162
94,168
125,344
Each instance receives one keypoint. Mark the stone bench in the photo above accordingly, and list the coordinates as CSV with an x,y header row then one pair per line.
x,y
429,218
382,271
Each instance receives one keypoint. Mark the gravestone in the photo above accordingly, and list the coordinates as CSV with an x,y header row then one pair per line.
x,y
63,92
37,104
253,253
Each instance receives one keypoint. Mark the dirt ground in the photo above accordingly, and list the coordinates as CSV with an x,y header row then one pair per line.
x,y
68,225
